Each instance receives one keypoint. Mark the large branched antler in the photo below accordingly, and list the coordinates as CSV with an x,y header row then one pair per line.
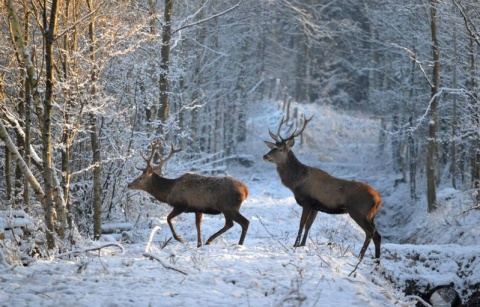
x,y
295,133
162,162
152,153
278,138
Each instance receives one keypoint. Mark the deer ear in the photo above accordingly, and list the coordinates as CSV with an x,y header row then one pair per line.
x,y
149,170
290,143
270,144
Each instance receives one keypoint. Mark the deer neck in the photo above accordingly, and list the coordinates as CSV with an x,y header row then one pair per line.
x,y
292,172
160,187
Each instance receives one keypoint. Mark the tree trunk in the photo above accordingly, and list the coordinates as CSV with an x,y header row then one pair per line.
x,y
453,148
475,155
301,67
46,126
195,125
162,113
413,162
28,104
153,16
94,140
412,150
8,174
433,124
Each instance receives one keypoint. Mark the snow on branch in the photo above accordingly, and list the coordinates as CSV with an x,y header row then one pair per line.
x,y
209,18
418,122
477,207
90,249
153,257
165,265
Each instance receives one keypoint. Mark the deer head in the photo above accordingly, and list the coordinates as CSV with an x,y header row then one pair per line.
x,y
141,182
281,147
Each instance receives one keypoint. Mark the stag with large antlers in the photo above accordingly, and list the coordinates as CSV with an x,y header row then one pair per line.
x,y
194,193
316,190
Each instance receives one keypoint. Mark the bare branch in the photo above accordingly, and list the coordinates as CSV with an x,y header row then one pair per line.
x,y
165,265
413,57
283,245
477,207
90,249
20,162
209,18
469,25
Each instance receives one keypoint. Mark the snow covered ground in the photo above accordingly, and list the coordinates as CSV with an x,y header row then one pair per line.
x,y
425,250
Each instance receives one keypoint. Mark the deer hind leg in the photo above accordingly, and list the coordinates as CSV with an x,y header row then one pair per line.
x,y
303,219
364,248
198,224
367,226
377,240
243,222
175,212
370,233
228,225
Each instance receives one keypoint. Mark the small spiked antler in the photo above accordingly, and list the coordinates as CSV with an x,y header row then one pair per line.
x,y
278,138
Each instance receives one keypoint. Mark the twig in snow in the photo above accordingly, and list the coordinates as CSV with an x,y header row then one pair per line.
x,y
165,265
150,238
166,243
80,251
261,222
323,260
418,298
356,267
472,208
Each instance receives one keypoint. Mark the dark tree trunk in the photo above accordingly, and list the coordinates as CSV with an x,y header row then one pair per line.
x,y
433,124
94,140
164,66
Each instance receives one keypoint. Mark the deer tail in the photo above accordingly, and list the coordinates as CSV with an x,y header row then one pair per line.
x,y
376,199
377,204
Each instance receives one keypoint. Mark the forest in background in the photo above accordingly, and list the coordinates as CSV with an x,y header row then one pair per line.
x,y
86,85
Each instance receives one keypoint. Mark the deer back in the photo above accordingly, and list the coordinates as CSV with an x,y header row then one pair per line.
x,y
335,195
205,192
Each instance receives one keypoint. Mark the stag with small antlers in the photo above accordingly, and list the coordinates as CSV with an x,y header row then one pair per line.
x,y
194,193
316,190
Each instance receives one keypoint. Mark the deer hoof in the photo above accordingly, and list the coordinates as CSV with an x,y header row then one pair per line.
x,y
180,239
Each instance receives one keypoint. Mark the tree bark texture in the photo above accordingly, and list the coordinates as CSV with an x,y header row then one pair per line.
x,y
433,124
164,66
46,126
94,140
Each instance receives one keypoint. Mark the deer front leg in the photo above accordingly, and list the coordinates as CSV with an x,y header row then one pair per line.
x,y
174,213
305,213
310,219
198,224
